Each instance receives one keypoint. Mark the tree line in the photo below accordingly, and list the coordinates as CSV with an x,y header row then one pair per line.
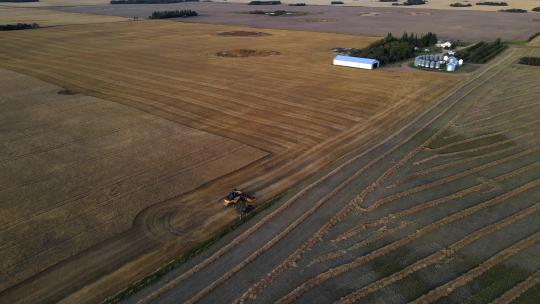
x,y
530,61
19,1
258,2
392,49
414,2
459,4
489,3
513,10
173,14
18,26
482,51
149,1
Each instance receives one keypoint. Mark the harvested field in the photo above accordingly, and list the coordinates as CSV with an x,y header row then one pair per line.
x,y
78,169
10,15
296,108
444,210
448,24
246,53
432,4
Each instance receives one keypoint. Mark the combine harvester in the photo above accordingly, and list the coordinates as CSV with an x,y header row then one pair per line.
x,y
240,200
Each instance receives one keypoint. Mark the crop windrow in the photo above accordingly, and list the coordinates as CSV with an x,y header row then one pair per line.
x,y
430,204
378,235
341,269
498,114
445,180
438,256
446,289
451,164
513,294
475,149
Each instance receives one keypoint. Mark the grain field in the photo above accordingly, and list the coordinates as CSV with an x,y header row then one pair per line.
x,y
274,121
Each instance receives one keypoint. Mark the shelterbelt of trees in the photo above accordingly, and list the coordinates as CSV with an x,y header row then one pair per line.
x,y
530,61
482,52
173,14
18,1
149,1
18,26
392,49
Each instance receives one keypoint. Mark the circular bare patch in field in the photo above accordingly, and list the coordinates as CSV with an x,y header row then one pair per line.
x,y
420,14
243,34
320,20
247,53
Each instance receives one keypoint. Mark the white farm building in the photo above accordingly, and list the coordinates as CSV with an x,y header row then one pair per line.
x,y
356,62
444,44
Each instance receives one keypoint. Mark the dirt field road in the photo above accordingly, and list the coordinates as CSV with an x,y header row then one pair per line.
x,y
319,251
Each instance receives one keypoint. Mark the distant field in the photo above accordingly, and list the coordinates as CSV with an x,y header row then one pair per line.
x,y
432,4
295,106
376,21
9,15
45,3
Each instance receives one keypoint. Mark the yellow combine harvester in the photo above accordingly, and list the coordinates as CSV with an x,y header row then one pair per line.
x,y
237,196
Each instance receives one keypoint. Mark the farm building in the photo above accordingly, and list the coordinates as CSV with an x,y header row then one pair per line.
x,y
356,62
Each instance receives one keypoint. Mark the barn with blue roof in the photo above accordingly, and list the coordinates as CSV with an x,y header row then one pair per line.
x,y
356,62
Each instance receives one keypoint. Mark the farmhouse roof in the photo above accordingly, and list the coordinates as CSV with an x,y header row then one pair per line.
x,y
356,59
